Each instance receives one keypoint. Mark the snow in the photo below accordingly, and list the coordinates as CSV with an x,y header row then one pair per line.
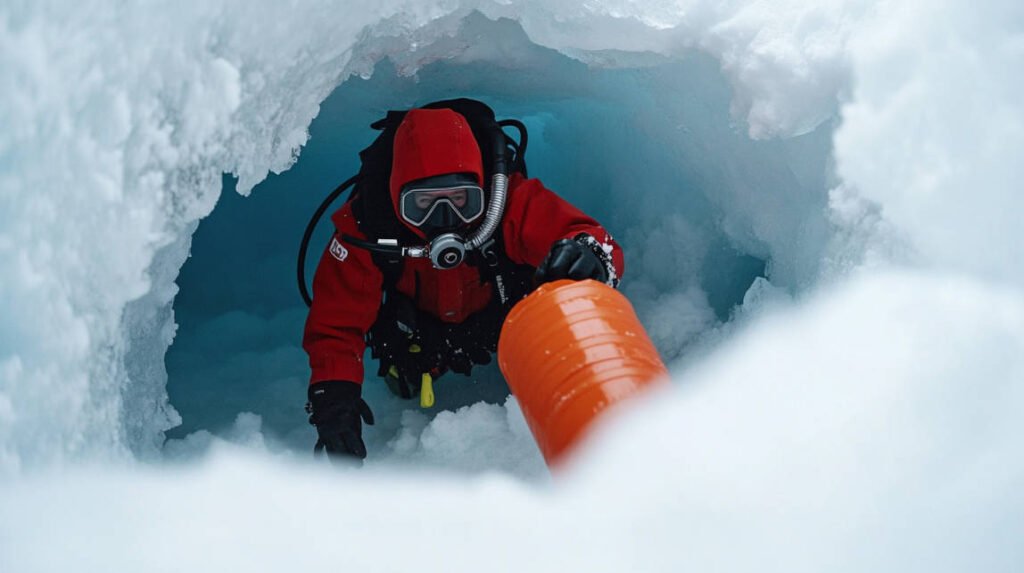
x,y
944,104
799,447
824,240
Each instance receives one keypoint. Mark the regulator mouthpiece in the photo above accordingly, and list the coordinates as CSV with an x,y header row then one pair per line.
x,y
447,251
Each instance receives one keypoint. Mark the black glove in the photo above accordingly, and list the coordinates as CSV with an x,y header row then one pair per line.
x,y
336,408
568,259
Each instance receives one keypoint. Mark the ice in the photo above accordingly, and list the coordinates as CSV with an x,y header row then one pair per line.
x,y
121,119
479,438
942,102
871,428
821,231
118,122
848,434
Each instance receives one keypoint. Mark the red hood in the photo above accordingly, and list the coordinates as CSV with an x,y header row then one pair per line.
x,y
432,142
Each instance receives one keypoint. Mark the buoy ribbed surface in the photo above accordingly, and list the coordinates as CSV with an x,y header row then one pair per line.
x,y
569,351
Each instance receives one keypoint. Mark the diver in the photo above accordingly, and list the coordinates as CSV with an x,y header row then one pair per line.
x,y
442,235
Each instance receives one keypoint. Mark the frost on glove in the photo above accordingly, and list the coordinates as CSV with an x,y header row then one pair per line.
x,y
579,258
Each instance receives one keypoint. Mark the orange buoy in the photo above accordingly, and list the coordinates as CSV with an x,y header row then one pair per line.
x,y
570,351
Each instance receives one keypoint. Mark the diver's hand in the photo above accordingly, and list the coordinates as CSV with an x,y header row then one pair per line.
x,y
337,410
568,259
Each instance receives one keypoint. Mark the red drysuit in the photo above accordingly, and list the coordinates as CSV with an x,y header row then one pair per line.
x,y
347,288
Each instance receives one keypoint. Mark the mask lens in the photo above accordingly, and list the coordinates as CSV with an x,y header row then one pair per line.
x,y
465,202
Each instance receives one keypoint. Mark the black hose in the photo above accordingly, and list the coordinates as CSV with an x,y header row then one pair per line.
x,y
500,164
389,250
520,161
309,234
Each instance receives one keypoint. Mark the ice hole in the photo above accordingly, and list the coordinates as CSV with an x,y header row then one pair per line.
x,y
644,143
